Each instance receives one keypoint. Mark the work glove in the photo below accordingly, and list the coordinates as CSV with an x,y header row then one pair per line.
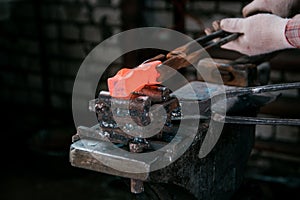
x,y
215,26
261,33
283,8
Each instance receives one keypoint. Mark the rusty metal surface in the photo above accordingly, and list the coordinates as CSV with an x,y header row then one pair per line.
x,y
190,53
215,176
89,154
199,176
136,186
225,163
232,74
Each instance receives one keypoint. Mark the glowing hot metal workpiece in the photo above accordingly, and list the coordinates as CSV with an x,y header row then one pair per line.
x,y
127,80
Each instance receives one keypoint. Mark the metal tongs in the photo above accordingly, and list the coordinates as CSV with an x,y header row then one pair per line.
x,y
190,53
239,92
258,96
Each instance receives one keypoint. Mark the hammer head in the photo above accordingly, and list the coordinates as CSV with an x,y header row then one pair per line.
x,y
127,80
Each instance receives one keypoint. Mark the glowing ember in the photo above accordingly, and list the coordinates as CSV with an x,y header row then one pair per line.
x,y
127,81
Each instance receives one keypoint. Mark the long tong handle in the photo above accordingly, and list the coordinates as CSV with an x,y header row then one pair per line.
x,y
182,57
262,89
254,120
257,120
194,44
206,42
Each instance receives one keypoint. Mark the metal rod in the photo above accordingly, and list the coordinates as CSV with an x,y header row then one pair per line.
x,y
222,41
261,89
136,186
204,39
255,120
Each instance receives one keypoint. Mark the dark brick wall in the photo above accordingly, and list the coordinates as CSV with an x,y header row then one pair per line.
x,y
44,42
42,45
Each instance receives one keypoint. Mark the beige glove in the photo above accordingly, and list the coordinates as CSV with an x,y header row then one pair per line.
x,y
283,8
261,33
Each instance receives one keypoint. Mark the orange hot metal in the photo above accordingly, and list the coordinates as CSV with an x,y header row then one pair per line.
x,y
127,80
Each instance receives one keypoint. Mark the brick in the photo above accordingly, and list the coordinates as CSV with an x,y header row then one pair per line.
x,y
54,12
5,59
58,101
202,5
77,13
91,33
5,11
67,1
61,85
156,4
282,133
8,28
54,66
231,7
51,31
52,48
22,11
94,2
6,94
52,85
70,31
33,64
113,41
115,3
192,25
105,56
159,18
290,93
30,46
112,14
7,78
19,61
36,98
70,68
64,68
68,85
97,2
275,75
21,93
287,133
263,131
292,76
207,20
116,30
73,50
88,47
34,81
28,28
4,43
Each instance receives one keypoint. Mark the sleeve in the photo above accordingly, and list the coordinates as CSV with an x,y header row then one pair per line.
x,y
292,31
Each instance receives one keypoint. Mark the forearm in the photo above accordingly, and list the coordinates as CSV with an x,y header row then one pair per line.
x,y
292,31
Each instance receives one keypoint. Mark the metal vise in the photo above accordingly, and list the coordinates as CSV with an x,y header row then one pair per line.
x,y
107,147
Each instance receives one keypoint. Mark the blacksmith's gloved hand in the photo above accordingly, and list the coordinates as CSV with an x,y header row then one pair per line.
x,y
283,8
261,33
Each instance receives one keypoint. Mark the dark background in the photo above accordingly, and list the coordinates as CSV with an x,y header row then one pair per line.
x,y
42,45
